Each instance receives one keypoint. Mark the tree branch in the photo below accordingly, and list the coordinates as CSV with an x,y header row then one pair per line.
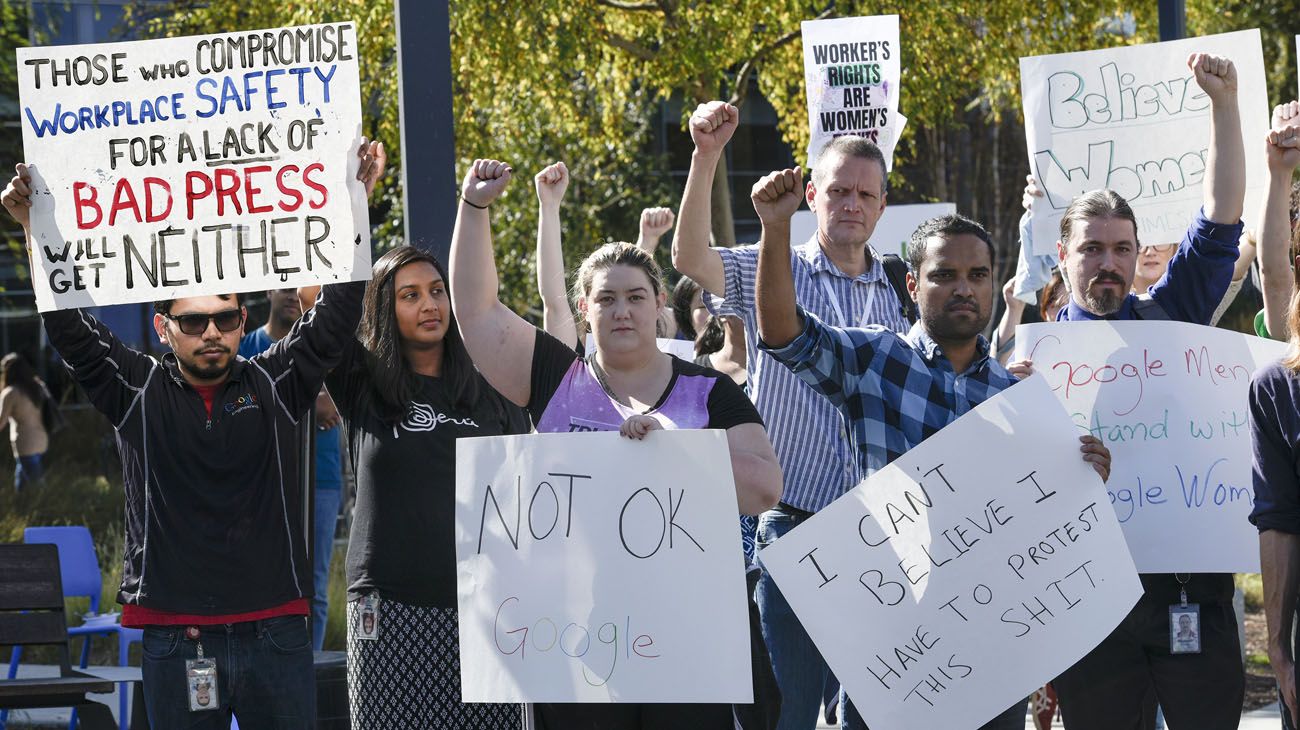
x,y
632,47
622,5
741,87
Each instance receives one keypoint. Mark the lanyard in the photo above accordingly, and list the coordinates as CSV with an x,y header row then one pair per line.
x,y
835,303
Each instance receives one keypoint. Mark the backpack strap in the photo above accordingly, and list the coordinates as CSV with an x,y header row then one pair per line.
x,y
896,273
1147,308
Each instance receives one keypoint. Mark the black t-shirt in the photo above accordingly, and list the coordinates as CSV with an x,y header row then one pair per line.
x,y
403,542
567,396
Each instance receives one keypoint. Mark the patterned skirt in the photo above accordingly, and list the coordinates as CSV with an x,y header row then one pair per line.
x,y
409,677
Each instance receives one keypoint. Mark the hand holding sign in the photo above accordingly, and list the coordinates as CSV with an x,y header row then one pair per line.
x,y
485,182
777,195
17,197
1284,138
1216,76
712,125
551,183
373,161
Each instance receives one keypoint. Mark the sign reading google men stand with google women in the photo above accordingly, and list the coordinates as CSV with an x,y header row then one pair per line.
x,y
197,165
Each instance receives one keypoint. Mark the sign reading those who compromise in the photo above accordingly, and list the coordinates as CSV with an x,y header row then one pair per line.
x,y
197,165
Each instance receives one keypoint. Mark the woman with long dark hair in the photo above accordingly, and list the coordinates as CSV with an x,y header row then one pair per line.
x,y
407,390
26,406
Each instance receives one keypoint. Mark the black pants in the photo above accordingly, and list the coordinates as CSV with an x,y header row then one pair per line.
x,y
1112,686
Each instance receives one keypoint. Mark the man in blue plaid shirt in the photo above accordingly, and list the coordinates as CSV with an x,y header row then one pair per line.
x,y
893,391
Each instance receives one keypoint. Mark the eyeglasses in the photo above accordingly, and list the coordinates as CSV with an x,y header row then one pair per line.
x,y
197,324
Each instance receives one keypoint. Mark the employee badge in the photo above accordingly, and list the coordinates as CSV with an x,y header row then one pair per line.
x,y
201,682
368,621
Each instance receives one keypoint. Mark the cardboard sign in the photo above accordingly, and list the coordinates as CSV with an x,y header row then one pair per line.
x,y
1169,401
1134,120
852,74
595,568
957,580
190,166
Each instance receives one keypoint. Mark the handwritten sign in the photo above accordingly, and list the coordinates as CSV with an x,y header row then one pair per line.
x,y
852,73
964,575
893,230
189,166
1169,401
1134,120
594,568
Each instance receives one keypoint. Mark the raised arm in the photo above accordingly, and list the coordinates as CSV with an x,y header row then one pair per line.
x,y
1225,170
655,222
1283,150
711,127
499,341
557,315
776,197
1004,337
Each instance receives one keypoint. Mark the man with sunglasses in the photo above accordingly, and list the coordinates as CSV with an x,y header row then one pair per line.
x,y
216,568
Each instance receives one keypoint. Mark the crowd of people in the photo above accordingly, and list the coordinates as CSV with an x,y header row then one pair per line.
x,y
822,360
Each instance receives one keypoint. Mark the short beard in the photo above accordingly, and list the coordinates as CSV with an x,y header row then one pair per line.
x,y
1103,304
208,373
943,329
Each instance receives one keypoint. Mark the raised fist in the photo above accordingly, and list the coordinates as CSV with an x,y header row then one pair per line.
x,y
655,222
1216,75
485,182
777,195
551,183
1284,138
712,125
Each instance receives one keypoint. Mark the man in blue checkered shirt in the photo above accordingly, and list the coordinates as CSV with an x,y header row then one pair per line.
x,y
893,391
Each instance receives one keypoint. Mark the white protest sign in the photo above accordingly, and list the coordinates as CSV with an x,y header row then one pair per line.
x,y
961,577
681,349
594,568
852,74
1134,120
893,230
1169,401
199,165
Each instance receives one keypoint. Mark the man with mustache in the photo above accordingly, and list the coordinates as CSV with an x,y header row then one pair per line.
x,y
1111,687
215,564
893,391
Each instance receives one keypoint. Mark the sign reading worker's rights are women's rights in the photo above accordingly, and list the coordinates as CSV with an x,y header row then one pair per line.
x,y
197,165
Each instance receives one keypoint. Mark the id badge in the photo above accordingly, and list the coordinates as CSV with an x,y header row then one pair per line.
x,y
201,683
368,623
1185,628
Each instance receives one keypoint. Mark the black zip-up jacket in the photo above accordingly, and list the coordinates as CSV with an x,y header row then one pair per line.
x,y
213,505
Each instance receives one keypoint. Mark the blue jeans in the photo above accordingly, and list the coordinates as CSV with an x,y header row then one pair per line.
x,y
800,670
28,471
1012,718
265,675
327,517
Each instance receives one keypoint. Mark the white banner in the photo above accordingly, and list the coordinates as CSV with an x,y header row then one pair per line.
x,y
1169,400
594,568
1133,120
852,74
190,166
957,580
893,230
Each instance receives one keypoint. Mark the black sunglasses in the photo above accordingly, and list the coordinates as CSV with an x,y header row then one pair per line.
x,y
197,324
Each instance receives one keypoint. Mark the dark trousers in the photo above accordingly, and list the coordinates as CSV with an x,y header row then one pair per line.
x,y
265,675
1111,687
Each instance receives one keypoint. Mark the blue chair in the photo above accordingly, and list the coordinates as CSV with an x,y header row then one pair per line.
x,y
81,577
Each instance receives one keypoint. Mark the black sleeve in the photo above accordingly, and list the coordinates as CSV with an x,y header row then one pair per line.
x,y
729,406
347,377
299,361
551,360
111,373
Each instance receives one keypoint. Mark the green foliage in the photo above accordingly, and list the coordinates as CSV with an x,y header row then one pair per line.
x,y
1252,586
1276,22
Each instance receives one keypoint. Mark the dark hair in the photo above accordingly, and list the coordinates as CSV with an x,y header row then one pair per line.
x,y
944,225
851,145
683,295
1097,204
1054,295
393,385
615,254
17,372
164,306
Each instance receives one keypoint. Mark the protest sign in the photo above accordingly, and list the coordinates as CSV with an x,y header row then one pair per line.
x,y
595,568
957,580
852,74
1134,120
190,166
1169,401
682,349
893,230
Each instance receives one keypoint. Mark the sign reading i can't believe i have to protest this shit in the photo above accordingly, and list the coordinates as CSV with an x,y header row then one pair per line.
x,y
197,165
